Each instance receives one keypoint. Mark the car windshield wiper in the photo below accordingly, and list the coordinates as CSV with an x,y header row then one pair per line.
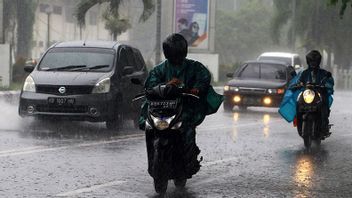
x,y
68,67
98,67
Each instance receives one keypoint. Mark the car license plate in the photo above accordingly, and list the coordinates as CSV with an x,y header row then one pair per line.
x,y
165,104
61,101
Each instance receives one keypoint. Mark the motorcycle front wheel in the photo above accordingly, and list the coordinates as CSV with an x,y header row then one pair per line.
x,y
307,131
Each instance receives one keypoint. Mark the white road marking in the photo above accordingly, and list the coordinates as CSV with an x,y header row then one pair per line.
x,y
219,161
90,189
31,150
230,126
20,150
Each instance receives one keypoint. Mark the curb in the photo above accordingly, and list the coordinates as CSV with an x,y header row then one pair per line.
x,y
10,96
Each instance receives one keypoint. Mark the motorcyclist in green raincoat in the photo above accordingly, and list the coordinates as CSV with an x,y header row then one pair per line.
x,y
192,75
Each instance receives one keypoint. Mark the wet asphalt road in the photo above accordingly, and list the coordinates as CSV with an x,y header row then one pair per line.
x,y
246,154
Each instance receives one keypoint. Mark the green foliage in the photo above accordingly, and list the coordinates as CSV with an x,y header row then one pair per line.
x,y
113,22
21,14
244,33
317,26
343,7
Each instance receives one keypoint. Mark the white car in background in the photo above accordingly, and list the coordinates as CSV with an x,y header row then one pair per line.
x,y
289,58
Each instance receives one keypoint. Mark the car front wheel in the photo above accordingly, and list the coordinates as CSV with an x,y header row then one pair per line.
x,y
228,107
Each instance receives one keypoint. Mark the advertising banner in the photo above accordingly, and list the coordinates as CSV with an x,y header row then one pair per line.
x,y
192,21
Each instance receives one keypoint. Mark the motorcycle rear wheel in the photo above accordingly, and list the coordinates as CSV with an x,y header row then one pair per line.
x,y
160,185
180,183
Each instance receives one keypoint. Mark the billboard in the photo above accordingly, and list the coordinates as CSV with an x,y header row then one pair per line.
x,y
192,21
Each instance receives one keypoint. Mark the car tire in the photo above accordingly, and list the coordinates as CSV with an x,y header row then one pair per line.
x,y
228,107
242,108
116,121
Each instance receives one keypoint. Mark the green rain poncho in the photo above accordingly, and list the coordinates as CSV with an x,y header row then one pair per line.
x,y
193,74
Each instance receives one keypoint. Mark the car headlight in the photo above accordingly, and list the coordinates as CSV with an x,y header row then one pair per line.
x,y
102,86
226,88
162,124
29,84
308,96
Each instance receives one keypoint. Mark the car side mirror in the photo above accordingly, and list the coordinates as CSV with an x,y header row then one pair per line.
x,y
293,73
229,75
29,68
329,75
128,70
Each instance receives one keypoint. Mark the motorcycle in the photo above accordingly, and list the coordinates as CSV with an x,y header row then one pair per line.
x,y
164,136
309,112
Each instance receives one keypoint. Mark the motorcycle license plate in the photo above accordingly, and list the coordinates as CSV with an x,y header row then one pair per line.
x,y
165,104
61,101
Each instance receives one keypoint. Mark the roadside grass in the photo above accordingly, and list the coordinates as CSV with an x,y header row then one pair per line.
x,y
14,86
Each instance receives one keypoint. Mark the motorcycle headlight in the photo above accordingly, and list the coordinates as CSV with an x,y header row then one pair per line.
x,y
29,85
308,96
162,124
102,86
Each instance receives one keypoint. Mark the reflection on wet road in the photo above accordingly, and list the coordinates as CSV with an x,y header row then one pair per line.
x,y
252,153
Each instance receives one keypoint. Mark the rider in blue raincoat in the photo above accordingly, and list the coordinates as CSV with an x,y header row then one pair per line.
x,y
314,74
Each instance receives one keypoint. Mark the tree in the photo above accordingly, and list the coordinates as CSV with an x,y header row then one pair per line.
x,y
113,22
19,18
317,26
344,4
243,34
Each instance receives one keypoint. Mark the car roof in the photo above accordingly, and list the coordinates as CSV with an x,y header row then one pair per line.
x,y
268,62
279,54
97,44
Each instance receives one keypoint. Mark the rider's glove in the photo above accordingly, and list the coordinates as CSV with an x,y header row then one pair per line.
x,y
175,82
194,91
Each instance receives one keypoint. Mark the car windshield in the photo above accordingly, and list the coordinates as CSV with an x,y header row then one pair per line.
x,y
78,59
263,71
287,60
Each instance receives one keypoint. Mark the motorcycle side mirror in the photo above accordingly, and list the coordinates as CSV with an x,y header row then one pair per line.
x,y
329,75
136,81
293,73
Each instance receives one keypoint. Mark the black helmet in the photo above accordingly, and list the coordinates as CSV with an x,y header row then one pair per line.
x,y
175,48
313,59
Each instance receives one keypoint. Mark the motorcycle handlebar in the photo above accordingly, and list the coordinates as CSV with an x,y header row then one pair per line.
x,y
141,96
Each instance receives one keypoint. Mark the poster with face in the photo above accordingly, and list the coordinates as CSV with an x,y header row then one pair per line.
x,y
191,20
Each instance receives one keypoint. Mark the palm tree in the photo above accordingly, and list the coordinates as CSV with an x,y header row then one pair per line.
x,y
317,26
113,22
344,4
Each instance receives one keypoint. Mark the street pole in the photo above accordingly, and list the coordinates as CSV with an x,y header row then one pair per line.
x,y
158,33
48,32
2,30
293,33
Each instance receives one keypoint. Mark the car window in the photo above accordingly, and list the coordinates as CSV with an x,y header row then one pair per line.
x,y
139,62
250,71
85,57
287,60
272,72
